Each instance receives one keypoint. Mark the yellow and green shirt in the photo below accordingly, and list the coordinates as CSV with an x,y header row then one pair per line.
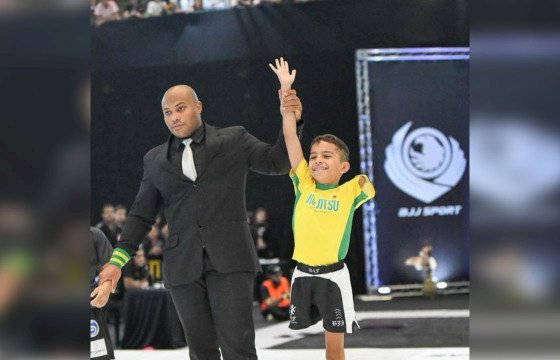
x,y
323,214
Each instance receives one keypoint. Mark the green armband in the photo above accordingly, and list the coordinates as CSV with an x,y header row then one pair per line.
x,y
119,258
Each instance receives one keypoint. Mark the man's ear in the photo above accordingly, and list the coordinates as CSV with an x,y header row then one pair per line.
x,y
345,167
198,107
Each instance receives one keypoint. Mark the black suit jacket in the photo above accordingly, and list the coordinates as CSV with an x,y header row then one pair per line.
x,y
209,213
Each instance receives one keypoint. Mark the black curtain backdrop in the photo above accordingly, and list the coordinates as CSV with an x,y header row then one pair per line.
x,y
224,56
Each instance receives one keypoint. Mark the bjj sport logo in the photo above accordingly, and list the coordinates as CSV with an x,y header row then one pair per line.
x,y
424,163
93,328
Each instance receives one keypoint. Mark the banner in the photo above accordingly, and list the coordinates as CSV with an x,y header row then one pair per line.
x,y
414,110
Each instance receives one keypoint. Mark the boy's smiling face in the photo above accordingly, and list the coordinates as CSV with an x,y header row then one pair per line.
x,y
326,164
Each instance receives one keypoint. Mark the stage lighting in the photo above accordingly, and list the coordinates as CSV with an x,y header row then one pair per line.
x,y
384,290
441,285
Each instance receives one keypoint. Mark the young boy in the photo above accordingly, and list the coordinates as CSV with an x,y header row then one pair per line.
x,y
321,223
101,347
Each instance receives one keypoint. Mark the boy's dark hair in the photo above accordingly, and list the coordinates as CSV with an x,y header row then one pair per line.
x,y
340,145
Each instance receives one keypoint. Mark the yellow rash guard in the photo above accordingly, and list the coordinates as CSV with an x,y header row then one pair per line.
x,y
322,218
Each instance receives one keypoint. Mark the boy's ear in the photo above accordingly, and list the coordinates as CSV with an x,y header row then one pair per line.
x,y
345,167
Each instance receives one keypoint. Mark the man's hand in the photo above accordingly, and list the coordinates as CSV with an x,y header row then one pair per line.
x,y
110,273
290,102
100,295
282,70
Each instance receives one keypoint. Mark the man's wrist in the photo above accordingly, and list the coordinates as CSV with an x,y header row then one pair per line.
x,y
119,258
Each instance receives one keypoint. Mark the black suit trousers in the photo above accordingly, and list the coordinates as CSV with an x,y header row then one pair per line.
x,y
216,313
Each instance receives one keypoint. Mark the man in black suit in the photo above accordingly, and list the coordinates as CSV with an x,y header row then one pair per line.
x,y
199,176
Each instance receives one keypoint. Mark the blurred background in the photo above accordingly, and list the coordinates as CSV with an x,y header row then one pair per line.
x,y
514,180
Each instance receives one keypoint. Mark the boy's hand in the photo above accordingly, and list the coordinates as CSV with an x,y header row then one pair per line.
x,y
101,294
282,70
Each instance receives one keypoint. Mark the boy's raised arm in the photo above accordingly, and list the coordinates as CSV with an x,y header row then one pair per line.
x,y
289,126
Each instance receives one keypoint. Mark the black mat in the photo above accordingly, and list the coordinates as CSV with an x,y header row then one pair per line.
x,y
396,333
415,303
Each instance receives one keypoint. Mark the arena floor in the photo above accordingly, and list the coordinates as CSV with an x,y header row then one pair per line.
x,y
400,329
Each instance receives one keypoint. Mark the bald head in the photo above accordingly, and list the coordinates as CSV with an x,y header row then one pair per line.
x,y
180,90
181,110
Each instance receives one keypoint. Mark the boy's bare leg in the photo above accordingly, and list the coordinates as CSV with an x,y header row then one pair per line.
x,y
334,343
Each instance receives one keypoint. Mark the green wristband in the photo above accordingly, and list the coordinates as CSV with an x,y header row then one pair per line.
x,y
119,258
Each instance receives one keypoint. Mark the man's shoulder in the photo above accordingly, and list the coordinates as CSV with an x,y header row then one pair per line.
x,y
97,235
155,151
228,131
95,232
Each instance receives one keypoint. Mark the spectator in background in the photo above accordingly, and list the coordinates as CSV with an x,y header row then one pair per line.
x,y
153,245
215,4
155,8
256,2
120,215
158,222
164,233
258,229
242,2
133,9
264,241
108,225
136,274
275,294
155,260
183,6
106,10
424,261
170,7
197,5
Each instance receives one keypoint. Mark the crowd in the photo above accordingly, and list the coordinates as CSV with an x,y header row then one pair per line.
x,y
107,10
